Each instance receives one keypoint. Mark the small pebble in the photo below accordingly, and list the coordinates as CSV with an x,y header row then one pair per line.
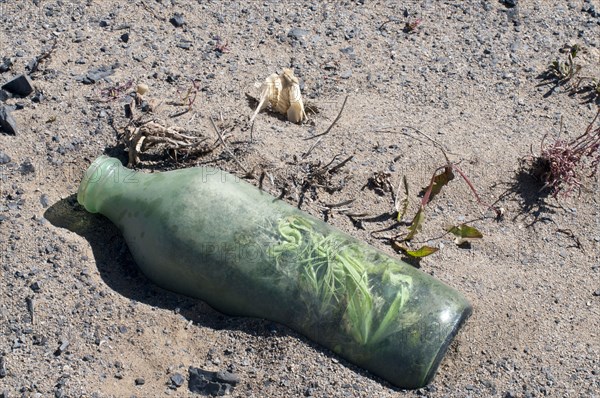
x,y
140,381
44,200
177,20
177,379
347,74
62,348
4,158
7,123
142,89
2,368
36,286
297,33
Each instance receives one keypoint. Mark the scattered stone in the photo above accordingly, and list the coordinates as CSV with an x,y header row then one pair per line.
x,y
4,95
228,377
142,89
211,383
177,380
347,74
38,97
36,286
185,44
140,381
27,167
39,339
2,368
297,33
597,293
7,123
509,3
128,108
124,37
590,9
96,74
64,344
6,64
44,200
20,85
4,158
177,20
104,23
347,50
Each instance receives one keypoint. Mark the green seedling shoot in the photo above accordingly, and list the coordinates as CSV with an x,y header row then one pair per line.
x,y
334,271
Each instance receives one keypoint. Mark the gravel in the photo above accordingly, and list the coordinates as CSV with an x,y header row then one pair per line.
x,y
467,77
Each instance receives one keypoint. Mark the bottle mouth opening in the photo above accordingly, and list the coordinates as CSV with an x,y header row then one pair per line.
x,y
96,172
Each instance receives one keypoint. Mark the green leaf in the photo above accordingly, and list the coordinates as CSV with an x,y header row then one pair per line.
x,y
402,211
464,232
423,251
417,224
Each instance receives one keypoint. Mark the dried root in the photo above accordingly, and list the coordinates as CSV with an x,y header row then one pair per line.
x,y
141,136
282,93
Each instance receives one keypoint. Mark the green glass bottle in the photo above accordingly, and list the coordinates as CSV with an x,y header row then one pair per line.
x,y
205,233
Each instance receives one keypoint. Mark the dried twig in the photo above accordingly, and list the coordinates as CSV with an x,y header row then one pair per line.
x,y
35,63
212,122
332,124
326,131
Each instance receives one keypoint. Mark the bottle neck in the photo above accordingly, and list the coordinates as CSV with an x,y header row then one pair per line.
x,y
105,175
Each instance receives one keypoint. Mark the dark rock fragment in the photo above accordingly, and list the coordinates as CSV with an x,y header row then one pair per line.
x,y
20,85
6,64
64,344
7,123
4,95
97,74
177,20
4,158
177,380
297,33
2,368
211,383
27,167
509,3
36,286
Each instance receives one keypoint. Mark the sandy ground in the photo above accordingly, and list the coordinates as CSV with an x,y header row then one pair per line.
x,y
467,77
